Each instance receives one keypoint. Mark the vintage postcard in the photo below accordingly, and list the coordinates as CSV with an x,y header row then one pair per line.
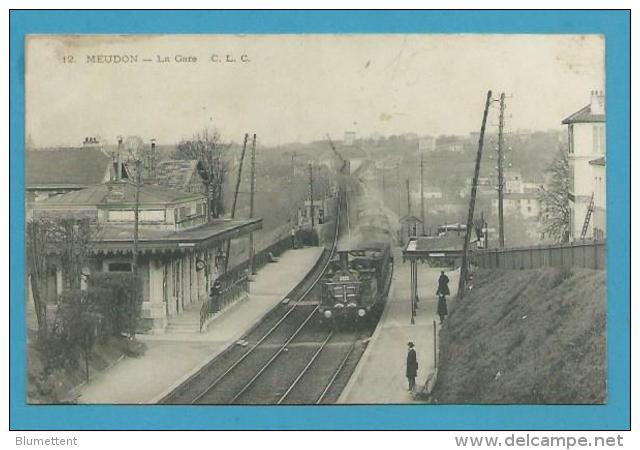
x,y
316,219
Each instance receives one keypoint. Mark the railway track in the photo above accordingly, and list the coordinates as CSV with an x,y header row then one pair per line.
x,y
223,380
289,358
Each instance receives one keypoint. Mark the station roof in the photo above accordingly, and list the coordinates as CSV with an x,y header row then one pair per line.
x,y
426,248
584,115
450,241
119,239
410,218
98,195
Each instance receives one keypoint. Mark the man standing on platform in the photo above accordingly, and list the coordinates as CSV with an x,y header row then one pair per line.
x,y
412,366
216,291
443,284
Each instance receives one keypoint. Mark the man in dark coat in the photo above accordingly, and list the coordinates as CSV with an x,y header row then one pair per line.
x,y
443,284
412,366
442,307
216,291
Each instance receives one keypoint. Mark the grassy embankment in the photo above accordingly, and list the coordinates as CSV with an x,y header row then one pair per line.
x,y
530,336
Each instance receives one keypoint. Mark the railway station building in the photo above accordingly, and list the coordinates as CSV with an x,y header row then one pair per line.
x,y
180,253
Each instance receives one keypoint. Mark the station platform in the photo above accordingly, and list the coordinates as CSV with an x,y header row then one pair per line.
x,y
171,358
380,377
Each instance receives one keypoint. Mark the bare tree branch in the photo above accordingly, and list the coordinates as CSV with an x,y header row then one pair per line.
x,y
554,201
208,149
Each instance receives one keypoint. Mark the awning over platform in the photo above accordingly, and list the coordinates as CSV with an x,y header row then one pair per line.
x,y
119,239
425,248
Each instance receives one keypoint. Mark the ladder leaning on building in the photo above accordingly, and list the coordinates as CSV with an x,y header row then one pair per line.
x,y
587,218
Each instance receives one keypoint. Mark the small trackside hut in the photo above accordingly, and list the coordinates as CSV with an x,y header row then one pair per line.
x,y
442,251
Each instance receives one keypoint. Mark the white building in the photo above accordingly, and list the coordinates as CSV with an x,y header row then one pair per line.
x,y
349,137
429,194
526,204
587,143
426,144
512,181
599,217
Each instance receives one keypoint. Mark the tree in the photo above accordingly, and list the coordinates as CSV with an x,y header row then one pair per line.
x,y
37,240
554,201
207,148
134,147
56,239
76,328
112,296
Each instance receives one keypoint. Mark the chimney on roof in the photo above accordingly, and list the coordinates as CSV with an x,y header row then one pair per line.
x,y
91,141
118,163
349,137
597,102
153,159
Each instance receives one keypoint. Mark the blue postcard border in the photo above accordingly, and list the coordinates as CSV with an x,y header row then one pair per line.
x,y
615,415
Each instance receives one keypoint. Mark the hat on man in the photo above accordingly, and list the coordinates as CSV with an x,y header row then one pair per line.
x,y
410,344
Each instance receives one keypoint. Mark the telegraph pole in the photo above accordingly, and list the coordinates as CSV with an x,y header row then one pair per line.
x,y
462,284
398,186
422,190
293,165
134,265
252,250
235,198
408,199
501,173
313,220
384,185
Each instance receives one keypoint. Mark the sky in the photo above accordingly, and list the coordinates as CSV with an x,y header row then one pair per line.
x,y
302,87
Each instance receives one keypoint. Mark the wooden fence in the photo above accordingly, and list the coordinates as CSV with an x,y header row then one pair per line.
x,y
587,254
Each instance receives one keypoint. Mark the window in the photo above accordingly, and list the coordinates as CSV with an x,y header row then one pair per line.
x,y
570,138
598,138
119,267
150,215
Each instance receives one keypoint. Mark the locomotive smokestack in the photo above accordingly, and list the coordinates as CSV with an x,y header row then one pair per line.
x,y
344,260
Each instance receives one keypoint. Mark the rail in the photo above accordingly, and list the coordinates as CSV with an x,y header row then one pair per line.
x,y
235,282
324,262
335,375
274,357
305,369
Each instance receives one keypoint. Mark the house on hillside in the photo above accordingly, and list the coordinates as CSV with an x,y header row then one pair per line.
x,y
453,144
527,204
426,144
587,149
512,181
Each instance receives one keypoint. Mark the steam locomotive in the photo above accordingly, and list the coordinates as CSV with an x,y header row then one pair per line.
x,y
356,284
